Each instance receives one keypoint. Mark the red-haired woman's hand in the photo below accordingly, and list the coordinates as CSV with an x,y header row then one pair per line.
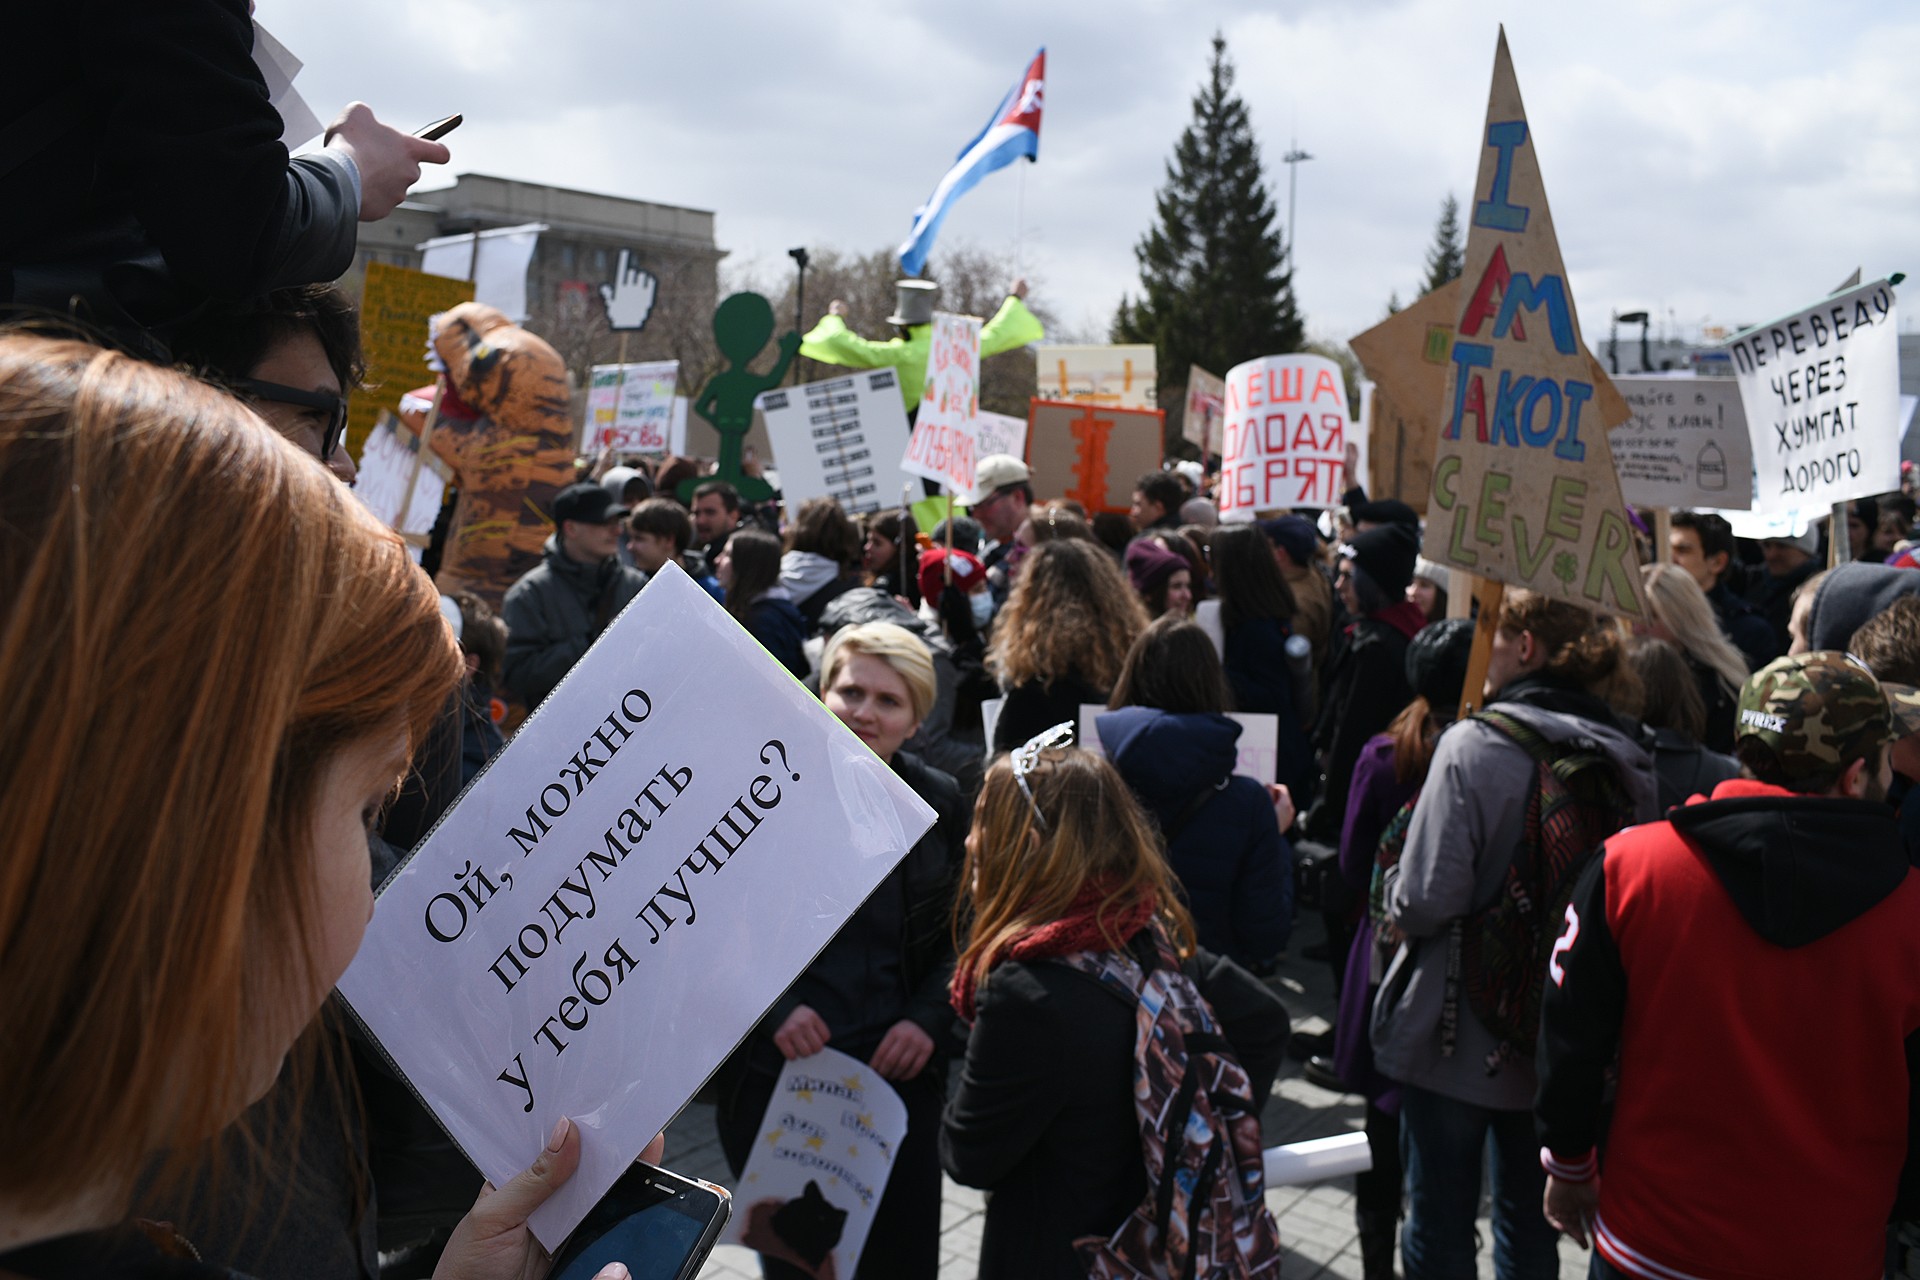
x,y
492,1242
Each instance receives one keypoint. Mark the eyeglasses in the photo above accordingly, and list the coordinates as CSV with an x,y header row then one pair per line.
x,y
332,402
1027,755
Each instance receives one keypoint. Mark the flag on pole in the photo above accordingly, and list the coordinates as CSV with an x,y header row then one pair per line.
x,y
1012,131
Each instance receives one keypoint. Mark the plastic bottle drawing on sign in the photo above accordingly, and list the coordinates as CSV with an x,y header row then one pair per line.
x,y
741,327
1710,470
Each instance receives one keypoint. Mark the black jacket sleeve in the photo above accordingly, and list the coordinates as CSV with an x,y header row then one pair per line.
x,y
196,144
1249,1015
1580,1015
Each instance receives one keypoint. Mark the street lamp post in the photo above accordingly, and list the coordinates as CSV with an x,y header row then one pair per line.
x,y
800,260
1292,160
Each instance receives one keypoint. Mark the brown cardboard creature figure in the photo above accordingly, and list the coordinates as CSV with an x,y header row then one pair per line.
x,y
506,429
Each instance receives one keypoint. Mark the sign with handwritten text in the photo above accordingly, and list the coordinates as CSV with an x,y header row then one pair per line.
x,y
1285,435
1686,444
944,445
622,893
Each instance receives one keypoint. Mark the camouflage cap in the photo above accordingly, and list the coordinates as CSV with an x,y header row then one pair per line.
x,y
1904,701
1817,711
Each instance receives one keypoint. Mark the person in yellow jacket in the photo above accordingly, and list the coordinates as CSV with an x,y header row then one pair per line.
x,y
831,342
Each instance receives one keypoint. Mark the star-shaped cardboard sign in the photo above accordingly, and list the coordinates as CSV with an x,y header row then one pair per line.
x,y
1524,490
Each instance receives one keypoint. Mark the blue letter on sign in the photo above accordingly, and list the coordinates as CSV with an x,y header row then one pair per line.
x,y
1494,211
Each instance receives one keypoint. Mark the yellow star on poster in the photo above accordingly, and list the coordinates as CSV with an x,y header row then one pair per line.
x,y
816,1143
833,1182
805,1095
854,1082
866,1118
853,1151
753,1177
773,1138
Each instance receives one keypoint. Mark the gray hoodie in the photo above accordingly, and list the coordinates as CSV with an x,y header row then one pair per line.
x,y
1465,832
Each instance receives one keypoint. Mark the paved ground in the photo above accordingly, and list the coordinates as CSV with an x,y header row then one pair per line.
x,y
1316,1222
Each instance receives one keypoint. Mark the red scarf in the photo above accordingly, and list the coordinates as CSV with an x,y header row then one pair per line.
x,y
1079,929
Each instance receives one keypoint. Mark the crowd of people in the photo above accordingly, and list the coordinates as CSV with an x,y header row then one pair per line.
x,y
1635,942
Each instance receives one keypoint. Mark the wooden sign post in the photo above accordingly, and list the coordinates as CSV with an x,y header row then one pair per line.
x,y
1524,489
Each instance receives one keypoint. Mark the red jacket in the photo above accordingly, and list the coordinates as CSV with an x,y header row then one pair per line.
x,y
1755,961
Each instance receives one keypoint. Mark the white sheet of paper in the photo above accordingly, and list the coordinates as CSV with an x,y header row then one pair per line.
x,y
999,433
677,432
1822,394
692,828
278,67
1259,743
498,272
631,407
1206,616
1686,445
1316,1160
386,465
835,1124
990,709
840,439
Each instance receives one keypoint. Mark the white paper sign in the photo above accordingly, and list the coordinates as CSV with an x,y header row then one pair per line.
x,y
1285,434
999,433
623,892
944,446
1259,743
1686,444
677,432
631,407
1206,402
826,1148
496,260
1822,395
839,439
1118,377
279,68
387,465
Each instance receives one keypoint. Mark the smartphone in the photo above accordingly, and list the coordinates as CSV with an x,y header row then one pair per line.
x,y
661,1225
439,128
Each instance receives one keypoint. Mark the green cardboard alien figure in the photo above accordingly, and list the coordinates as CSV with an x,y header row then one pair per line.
x,y
741,326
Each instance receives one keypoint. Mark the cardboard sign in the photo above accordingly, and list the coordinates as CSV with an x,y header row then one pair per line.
x,y
1407,356
1822,394
1286,432
395,306
1092,455
617,899
1120,377
820,1165
839,439
1686,444
1259,743
944,446
999,433
1206,409
1524,490
389,463
630,406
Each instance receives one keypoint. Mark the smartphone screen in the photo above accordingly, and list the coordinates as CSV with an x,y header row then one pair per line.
x,y
660,1225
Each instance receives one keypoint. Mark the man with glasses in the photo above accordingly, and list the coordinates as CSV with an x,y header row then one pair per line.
x,y
294,355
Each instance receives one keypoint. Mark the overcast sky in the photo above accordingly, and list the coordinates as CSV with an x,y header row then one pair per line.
x,y
1713,163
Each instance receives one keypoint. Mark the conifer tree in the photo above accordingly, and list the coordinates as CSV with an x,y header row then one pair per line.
x,y
1216,283
1447,258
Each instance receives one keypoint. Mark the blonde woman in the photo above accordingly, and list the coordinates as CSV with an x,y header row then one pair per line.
x,y
1682,616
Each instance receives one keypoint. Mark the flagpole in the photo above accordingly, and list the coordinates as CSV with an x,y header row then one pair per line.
x,y
1020,226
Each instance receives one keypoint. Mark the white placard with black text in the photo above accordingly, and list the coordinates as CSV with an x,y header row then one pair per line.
x,y
840,439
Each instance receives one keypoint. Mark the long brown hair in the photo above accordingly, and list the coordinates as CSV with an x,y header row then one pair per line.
x,y
1172,666
1024,874
198,620
1072,612
755,557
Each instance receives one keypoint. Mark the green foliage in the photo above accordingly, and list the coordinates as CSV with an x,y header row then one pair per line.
x,y
1447,257
1216,286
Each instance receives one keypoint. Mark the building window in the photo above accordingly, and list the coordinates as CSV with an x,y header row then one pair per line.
x,y
566,258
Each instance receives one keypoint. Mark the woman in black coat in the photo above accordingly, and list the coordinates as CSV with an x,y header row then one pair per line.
x,y
1044,1117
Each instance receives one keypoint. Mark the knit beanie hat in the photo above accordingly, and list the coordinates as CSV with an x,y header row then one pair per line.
x,y
1149,564
1387,552
968,573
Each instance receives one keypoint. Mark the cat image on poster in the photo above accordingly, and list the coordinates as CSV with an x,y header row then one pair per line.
x,y
803,1231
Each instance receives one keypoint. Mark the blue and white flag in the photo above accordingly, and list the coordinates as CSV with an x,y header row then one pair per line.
x,y
1012,132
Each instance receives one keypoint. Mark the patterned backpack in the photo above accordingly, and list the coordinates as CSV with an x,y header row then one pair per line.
x,y
1499,953
1205,1215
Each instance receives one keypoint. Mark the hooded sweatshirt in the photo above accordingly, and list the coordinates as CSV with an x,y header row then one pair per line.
x,y
1695,948
1223,838
1465,832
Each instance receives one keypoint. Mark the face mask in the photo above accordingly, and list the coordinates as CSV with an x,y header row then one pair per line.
x,y
981,602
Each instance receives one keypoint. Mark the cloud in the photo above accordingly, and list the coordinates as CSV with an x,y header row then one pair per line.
x,y
1701,162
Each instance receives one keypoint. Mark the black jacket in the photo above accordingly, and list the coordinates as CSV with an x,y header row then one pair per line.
x,y
1044,1115
120,1253
893,957
153,136
1366,688
555,613
1255,659
1039,705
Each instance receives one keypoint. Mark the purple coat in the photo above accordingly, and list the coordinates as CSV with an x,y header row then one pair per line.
x,y
1373,798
